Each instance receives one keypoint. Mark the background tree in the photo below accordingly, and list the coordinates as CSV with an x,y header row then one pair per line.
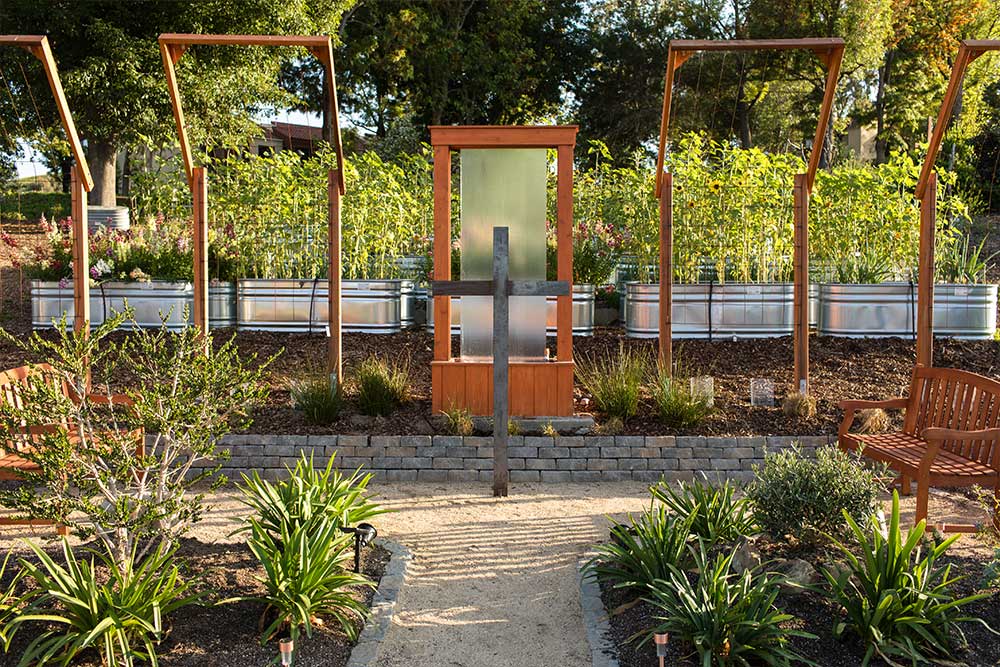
x,y
110,66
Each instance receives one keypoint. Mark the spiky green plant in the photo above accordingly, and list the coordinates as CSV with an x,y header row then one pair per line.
x,y
718,515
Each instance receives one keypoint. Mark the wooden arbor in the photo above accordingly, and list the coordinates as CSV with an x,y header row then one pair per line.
x,y
543,388
830,51
926,192
172,47
82,182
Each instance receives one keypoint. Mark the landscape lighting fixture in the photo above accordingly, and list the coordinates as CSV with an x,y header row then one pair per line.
x,y
661,639
364,534
286,646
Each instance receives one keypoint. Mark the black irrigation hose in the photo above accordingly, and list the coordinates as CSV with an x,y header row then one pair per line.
x,y
913,314
104,303
312,303
711,290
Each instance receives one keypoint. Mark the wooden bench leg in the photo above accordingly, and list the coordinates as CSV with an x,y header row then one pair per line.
x,y
996,507
905,486
923,489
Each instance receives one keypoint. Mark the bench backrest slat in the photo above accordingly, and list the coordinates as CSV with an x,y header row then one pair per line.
x,y
12,384
954,399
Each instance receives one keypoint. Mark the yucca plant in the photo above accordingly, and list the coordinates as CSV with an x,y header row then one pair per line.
x,y
614,380
11,604
121,618
644,550
309,496
717,514
895,596
382,386
305,577
727,618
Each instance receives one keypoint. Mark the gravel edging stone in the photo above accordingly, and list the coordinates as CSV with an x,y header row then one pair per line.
x,y
595,619
365,652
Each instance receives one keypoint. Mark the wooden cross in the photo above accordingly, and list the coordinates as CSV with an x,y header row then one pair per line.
x,y
501,288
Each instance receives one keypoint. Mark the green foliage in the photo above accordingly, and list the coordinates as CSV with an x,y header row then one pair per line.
x,y
94,475
305,576
958,262
643,551
614,380
727,618
897,597
718,516
11,604
313,395
32,206
122,616
308,497
991,573
676,404
807,497
458,420
382,385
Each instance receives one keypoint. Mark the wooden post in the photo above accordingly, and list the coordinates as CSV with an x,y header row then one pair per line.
x,y
81,254
666,271
564,252
501,370
442,250
801,289
199,200
925,274
335,359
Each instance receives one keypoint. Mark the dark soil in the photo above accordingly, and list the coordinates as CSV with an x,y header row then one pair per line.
x,y
228,635
814,614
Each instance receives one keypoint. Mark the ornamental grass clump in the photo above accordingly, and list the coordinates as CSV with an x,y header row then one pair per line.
x,y
677,405
725,617
896,596
615,381
319,402
717,514
643,551
382,385
807,497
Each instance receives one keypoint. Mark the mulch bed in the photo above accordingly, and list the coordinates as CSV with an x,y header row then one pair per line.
x,y
228,635
813,614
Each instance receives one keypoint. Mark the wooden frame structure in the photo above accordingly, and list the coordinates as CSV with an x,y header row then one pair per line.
x,y
543,388
926,192
82,182
830,51
172,47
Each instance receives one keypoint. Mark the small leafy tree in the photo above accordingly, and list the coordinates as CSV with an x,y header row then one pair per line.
x,y
95,474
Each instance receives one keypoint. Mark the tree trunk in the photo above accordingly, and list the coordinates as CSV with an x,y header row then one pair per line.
x,y
743,116
102,158
881,143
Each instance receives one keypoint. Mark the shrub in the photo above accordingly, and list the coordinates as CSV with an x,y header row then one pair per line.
x,y
93,475
458,421
122,618
305,577
382,386
644,550
895,596
614,380
308,497
717,514
676,405
807,497
319,402
727,618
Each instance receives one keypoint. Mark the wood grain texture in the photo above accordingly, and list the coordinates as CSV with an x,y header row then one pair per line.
x,y
925,274
457,137
81,255
800,262
199,221
564,251
442,249
335,356
501,356
666,198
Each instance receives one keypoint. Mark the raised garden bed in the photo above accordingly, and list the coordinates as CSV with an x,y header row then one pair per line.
x,y
228,635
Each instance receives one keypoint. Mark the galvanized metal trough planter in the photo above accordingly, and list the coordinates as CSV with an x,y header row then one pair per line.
x,y
890,309
292,305
583,312
153,303
727,310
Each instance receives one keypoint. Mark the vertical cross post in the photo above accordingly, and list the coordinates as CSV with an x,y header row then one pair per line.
x,y
801,288
81,254
335,366
925,274
666,359
501,317
199,192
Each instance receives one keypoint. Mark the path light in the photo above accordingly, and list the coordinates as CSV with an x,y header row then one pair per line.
x,y
286,646
661,639
364,534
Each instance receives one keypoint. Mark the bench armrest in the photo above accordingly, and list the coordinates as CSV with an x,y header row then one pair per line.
x,y
891,404
850,407
935,434
112,399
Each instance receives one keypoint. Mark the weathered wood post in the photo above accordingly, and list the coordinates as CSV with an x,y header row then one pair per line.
x,y
501,361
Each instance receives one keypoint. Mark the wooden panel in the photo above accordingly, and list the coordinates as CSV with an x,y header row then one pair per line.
x,y
335,356
564,256
442,250
666,273
457,137
468,384
199,221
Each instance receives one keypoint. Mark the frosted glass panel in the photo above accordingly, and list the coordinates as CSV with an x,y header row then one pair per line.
x,y
503,187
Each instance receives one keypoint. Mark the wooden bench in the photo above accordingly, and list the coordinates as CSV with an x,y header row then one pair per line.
x,y
950,435
12,445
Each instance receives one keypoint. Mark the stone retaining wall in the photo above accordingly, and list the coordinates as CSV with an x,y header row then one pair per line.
x,y
443,458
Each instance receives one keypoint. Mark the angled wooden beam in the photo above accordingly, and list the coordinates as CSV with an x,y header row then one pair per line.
x,y
38,46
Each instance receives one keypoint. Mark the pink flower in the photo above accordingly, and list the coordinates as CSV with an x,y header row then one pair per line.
x,y
63,283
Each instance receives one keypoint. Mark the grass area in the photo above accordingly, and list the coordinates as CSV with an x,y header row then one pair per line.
x,y
30,206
